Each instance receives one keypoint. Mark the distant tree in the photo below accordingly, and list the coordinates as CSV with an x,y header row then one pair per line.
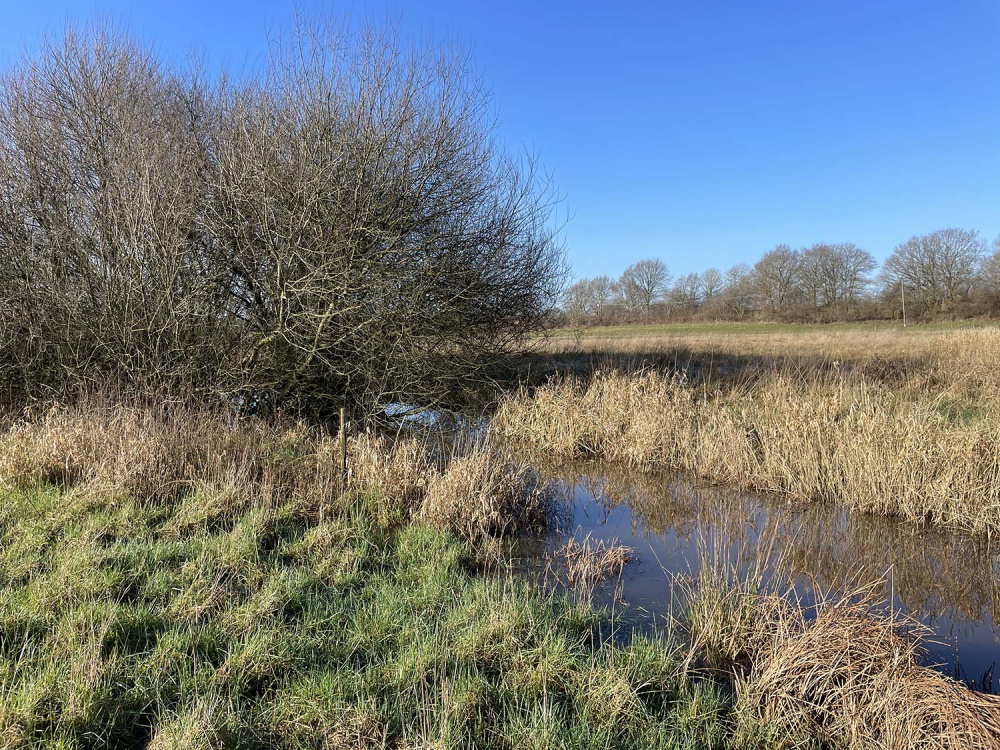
x,y
685,294
812,272
937,268
989,273
776,276
852,272
643,283
577,302
602,294
834,273
712,283
739,291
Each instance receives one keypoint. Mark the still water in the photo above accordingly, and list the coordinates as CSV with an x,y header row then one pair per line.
x,y
946,580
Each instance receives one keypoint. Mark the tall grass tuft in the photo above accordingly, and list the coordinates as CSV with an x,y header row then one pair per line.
x,y
838,673
484,494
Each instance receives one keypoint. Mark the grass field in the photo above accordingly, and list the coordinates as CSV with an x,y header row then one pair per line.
x,y
753,328
171,579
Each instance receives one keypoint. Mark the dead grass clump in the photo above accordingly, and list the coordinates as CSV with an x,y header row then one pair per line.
x,y
112,450
398,470
589,562
486,494
854,681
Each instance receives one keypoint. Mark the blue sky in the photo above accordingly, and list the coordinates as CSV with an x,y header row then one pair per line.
x,y
703,133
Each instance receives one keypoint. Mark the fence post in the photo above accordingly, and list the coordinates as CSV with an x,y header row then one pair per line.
x,y
343,451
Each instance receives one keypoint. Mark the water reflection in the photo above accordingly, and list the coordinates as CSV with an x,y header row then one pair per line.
x,y
947,580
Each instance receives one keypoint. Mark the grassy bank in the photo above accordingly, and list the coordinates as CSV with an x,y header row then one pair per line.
x,y
170,579
921,441
177,583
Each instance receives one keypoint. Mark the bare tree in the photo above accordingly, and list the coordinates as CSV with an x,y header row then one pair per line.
x,y
712,284
852,274
685,294
339,229
812,272
776,276
107,269
577,302
989,273
833,273
740,291
644,283
937,268
602,293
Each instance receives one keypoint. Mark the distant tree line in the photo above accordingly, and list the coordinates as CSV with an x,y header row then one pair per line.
x,y
947,273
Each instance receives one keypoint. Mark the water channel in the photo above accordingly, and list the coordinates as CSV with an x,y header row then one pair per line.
x,y
947,580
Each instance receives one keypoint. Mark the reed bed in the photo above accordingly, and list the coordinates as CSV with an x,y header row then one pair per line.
x,y
838,438
103,451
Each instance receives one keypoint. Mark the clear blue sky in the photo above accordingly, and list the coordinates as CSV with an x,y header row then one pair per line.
x,y
700,132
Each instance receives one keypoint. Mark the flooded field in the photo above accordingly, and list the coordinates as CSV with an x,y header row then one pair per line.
x,y
946,580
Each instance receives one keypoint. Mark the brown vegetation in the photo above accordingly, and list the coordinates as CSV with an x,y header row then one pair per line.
x,y
922,444
854,681
340,226
833,672
589,562
487,494
101,450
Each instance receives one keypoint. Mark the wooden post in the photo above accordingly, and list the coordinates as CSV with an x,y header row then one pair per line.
x,y
902,292
343,451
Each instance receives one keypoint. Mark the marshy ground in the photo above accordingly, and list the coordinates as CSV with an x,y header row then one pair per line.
x,y
177,578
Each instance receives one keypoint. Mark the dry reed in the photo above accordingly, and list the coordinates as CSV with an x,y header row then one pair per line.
x,y
836,671
483,494
839,439
589,562
103,451
855,681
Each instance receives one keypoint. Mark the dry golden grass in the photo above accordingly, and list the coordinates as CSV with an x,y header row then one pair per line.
x,y
485,494
839,438
855,681
107,450
960,353
590,562
100,451
956,365
834,672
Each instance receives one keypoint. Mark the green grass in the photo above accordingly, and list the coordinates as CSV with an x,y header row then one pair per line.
x,y
125,624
